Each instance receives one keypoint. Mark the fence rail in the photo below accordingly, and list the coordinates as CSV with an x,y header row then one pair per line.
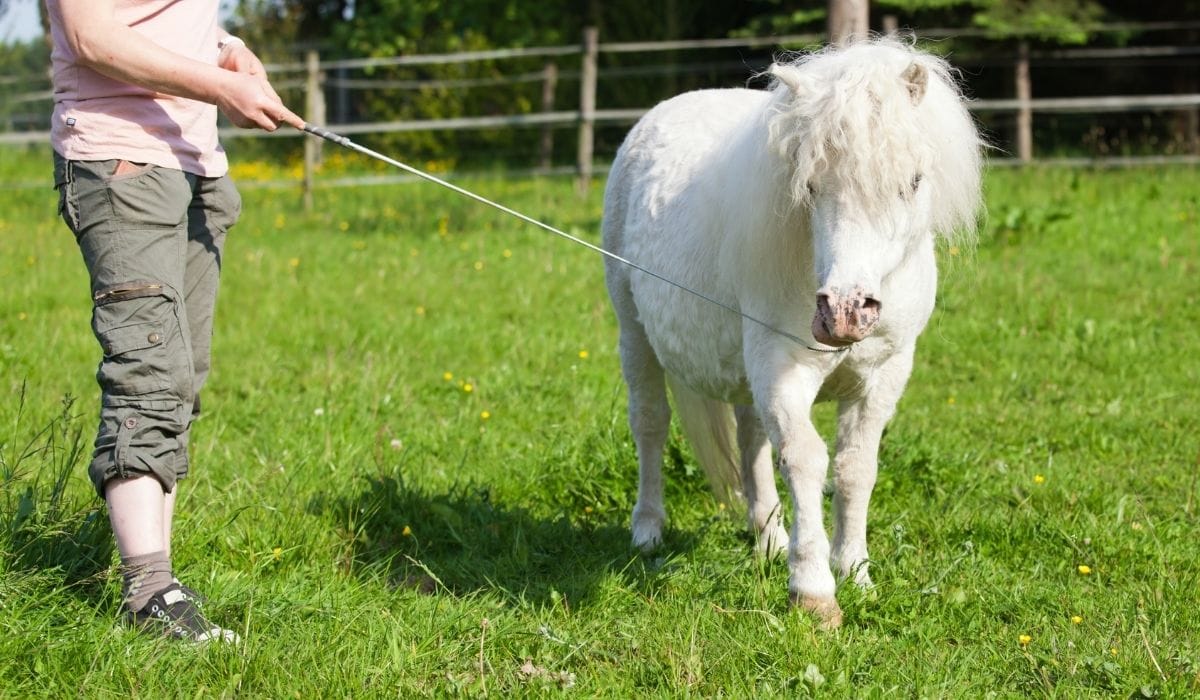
x,y
314,76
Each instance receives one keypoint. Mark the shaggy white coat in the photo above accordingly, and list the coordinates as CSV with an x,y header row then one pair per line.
x,y
840,176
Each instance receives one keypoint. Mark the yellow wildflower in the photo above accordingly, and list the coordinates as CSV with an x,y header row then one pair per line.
x,y
1024,640
1085,569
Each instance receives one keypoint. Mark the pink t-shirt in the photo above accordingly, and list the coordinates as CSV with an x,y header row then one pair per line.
x,y
99,118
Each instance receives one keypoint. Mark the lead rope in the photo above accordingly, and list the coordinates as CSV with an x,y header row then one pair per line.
x,y
347,143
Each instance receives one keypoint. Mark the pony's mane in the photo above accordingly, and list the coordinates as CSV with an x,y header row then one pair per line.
x,y
849,113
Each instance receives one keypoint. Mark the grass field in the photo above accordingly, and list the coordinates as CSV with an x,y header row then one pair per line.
x,y
413,476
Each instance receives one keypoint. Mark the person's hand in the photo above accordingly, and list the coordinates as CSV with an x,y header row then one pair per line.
x,y
245,107
251,103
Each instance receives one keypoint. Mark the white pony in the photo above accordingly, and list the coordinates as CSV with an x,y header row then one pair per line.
x,y
812,209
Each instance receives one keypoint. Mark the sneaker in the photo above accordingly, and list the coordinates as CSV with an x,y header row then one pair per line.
x,y
173,612
196,597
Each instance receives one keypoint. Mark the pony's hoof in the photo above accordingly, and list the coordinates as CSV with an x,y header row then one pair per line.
x,y
772,542
826,610
857,573
647,535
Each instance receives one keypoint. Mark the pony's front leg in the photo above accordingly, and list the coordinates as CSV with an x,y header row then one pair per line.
x,y
861,421
786,406
758,484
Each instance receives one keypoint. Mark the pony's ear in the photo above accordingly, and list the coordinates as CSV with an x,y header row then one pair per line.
x,y
916,79
788,75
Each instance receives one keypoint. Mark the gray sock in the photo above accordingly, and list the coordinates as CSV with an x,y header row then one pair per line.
x,y
143,576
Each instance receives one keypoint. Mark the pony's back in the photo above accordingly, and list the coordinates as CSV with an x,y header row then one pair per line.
x,y
677,144
676,197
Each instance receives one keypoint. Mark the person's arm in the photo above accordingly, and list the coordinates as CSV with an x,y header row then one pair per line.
x,y
107,46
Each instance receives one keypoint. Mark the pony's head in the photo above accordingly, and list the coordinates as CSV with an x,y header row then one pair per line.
x,y
880,153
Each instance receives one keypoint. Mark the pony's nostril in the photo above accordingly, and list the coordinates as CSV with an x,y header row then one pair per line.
x,y
872,304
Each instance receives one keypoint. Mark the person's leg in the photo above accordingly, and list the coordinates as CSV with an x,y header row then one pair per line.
x,y
168,517
136,508
130,223
214,208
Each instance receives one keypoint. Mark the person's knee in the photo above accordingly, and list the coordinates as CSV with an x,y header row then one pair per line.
x,y
145,378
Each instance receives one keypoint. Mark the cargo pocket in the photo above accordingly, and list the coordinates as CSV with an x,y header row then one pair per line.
x,y
135,360
134,323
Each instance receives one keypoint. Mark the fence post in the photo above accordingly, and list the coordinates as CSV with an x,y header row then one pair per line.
x,y
1024,90
890,24
848,20
587,108
549,84
314,106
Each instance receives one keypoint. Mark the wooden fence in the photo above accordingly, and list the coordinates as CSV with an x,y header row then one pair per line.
x,y
315,77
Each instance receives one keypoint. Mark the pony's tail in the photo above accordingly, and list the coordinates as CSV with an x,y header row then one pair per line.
x,y
711,430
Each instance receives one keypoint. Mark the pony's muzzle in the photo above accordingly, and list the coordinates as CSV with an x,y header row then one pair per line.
x,y
842,319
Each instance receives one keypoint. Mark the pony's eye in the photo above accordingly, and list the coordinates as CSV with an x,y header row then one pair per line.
x,y
812,190
912,188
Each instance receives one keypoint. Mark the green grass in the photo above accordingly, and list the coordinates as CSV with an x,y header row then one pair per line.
x,y
371,534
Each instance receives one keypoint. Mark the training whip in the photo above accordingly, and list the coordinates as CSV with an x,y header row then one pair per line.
x,y
347,143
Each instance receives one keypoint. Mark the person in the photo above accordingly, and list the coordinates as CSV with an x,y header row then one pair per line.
x,y
143,185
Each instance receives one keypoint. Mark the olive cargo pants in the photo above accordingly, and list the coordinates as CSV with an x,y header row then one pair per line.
x,y
152,239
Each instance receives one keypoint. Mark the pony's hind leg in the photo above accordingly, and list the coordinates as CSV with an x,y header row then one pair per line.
x,y
758,484
649,420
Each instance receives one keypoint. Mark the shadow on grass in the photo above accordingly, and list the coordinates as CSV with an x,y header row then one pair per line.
x,y
463,542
